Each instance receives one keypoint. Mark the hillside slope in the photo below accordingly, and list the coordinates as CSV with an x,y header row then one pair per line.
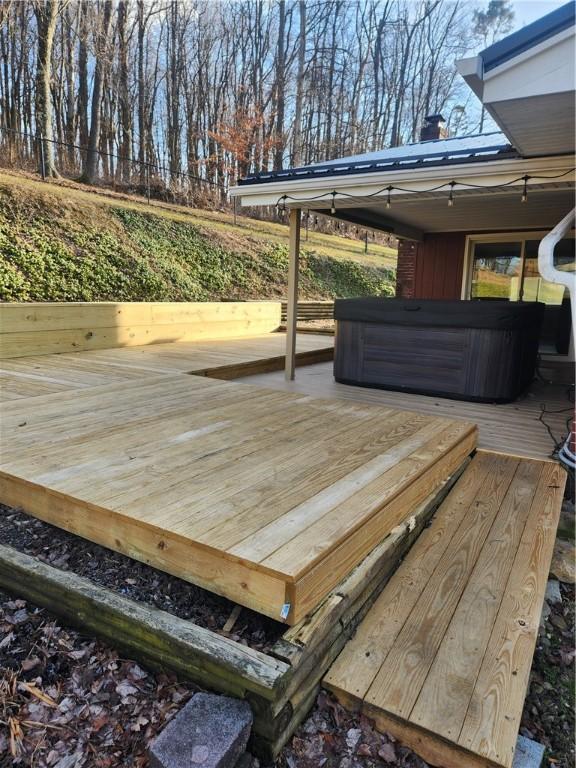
x,y
59,242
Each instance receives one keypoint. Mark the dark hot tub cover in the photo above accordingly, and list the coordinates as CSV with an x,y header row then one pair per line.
x,y
439,313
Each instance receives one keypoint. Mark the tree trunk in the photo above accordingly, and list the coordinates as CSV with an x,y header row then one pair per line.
x,y
91,165
280,87
83,81
46,16
298,105
124,95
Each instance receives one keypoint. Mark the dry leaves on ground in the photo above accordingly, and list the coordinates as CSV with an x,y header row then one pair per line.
x,y
68,702
332,737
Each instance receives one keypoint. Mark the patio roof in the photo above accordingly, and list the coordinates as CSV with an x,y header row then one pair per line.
x,y
407,195
435,153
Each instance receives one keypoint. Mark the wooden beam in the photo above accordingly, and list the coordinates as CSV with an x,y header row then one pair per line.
x,y
161,639
373,218
52,328
292,303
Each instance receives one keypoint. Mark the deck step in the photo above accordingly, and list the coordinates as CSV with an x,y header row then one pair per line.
x,y
442,660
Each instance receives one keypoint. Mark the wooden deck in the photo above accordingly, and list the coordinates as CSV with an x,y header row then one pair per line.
x,y
442,660
265,497
514,428
34,376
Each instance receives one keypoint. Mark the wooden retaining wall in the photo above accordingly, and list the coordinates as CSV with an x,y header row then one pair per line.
x,y
49,328
312,310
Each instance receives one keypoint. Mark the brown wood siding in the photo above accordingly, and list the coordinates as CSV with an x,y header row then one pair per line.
x,y
433,268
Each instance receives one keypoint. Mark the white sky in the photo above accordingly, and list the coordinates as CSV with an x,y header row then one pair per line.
x,y
527,11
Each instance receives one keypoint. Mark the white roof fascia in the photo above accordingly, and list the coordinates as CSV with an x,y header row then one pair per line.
x,y
548,68
471,70
489,173
551,42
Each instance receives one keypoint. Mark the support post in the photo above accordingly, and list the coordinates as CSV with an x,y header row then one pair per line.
x,y
292,303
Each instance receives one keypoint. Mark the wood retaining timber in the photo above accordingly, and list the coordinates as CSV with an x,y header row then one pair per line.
x,y
281,686
311,310
53,328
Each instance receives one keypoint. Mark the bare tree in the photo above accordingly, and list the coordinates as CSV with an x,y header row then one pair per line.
x,y
102,32
46,12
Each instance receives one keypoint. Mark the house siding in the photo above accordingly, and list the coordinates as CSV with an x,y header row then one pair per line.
x,y
433,268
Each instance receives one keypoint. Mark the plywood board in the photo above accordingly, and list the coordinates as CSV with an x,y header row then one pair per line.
x,y
442,659
265,497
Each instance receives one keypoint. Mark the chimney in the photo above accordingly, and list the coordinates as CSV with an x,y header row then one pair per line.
x,y
434,128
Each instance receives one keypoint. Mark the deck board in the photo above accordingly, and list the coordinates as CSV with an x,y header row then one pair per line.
x,y
26,377
515,428
442,660
187,473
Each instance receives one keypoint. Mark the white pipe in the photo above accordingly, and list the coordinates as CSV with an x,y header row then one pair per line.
x,y
548,270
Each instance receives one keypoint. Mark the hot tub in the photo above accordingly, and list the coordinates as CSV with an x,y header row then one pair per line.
x,y
483,351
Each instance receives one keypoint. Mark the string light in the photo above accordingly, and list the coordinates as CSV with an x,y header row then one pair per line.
x,y
452,184
333,209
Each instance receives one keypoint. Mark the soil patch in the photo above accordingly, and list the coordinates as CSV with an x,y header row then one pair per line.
x,y
135,580
67,701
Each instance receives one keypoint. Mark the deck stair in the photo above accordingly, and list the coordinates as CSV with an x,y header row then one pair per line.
x,y
442,660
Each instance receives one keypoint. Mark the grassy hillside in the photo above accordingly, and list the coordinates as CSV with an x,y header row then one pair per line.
x,y
59,242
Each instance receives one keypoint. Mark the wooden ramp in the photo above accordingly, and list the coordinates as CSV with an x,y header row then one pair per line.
x,y
442,660
265,497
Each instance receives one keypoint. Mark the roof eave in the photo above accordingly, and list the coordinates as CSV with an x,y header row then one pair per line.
x,y
270,193
471,70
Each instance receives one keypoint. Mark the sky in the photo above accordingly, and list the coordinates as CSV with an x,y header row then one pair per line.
x,y
527,11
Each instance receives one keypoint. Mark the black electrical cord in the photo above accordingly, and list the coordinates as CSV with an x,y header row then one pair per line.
x,y
389,188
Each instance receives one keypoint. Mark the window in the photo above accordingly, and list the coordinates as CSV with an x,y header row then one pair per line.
x,y
496,270
506,267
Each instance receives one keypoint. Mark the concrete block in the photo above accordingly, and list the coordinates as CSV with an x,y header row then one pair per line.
x,y
529,753
553,594
209,732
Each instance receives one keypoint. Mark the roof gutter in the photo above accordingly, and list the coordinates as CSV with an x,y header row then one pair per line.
x,y
491,172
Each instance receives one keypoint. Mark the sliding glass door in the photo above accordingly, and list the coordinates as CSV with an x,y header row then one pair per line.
x,y
506,267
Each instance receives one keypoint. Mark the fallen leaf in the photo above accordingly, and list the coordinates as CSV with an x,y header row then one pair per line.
x,y
126,689
37,693
387,753
30,663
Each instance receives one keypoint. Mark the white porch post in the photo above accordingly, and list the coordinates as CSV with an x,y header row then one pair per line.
x,y
292,303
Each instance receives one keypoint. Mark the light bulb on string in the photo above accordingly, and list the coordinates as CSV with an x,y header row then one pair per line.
x,y
388,200
524,197
333,208
451,195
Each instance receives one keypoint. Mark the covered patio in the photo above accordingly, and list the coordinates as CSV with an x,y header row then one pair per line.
x,y
484,219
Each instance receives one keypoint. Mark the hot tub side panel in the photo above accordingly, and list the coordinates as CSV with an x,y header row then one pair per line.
x,y
485,365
